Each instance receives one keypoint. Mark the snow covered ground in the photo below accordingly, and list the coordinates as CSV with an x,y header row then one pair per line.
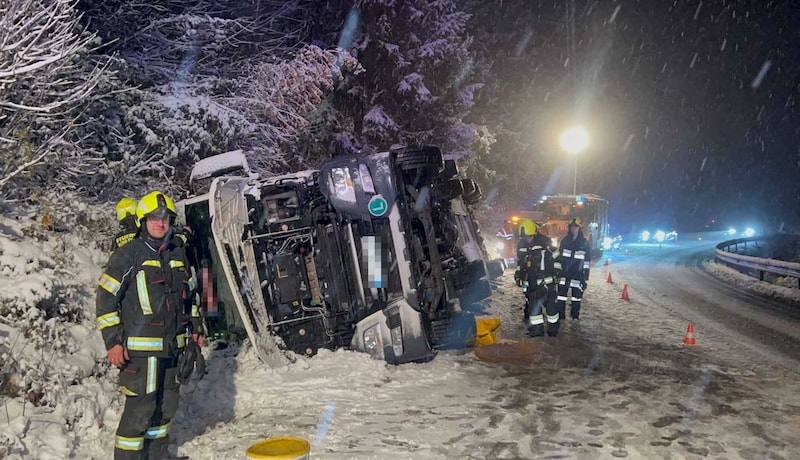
x,y
619,384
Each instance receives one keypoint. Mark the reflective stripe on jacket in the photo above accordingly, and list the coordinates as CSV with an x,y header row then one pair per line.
x,y
535,259
143,300
575,257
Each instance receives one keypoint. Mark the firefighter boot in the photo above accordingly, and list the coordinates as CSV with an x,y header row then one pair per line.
x,y
536,330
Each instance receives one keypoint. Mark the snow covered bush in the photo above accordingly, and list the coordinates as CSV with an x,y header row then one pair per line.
x,y
46,77
280,97
44,300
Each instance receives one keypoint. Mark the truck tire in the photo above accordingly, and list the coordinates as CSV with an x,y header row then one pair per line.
x,y
450,170
472,191
446,191
428,159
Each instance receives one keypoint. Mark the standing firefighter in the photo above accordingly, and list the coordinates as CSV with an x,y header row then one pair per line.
x,y
128,224
575,259
143,314
537,275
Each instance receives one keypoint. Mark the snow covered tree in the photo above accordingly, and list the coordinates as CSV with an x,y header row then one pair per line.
x,y
418,85
47,77
280,98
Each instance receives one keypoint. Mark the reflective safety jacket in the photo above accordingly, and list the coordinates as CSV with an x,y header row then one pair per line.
x,y
535,259
128,231
575,257
143,300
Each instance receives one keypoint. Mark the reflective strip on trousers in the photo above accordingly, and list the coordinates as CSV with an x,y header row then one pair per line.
x,y
580,255
586,265
157,432
552,319
567,252
144,296
125,443
535,320
562,297
575,284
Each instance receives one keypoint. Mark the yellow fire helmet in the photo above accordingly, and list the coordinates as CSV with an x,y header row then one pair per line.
x,y
155,202
528,228
574,221
125,207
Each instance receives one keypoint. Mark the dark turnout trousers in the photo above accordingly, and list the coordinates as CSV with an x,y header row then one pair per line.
x,y
152,392
564,285
541,309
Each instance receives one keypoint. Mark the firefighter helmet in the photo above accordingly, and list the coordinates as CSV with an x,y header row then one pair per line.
x,y
528,228
155,204
574,221
125,207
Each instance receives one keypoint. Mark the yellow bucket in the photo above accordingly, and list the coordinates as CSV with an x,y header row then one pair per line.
x,y
487,331
285,448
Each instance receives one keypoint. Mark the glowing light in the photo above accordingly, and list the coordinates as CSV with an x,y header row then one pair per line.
x,y
645,236
574,140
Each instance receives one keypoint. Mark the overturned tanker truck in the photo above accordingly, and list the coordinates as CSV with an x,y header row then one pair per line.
x,y
379,253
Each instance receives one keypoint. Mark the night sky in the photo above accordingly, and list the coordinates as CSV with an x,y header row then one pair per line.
x,y
691,105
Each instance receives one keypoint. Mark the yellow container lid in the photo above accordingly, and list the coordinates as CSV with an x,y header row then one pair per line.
x,y
285,448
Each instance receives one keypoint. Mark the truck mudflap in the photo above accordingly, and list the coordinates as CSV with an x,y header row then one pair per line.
x,y
395,334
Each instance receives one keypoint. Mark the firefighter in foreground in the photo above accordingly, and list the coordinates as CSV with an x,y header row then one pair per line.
x,y
128,224
144,314
575,258
537,275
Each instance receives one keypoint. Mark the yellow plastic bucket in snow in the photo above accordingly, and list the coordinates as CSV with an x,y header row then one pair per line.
x,y
285,448
487,331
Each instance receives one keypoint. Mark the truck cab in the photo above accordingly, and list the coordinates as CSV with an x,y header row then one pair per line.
x,y
378,253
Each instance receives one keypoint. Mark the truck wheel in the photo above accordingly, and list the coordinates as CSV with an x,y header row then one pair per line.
x,y
472,191
426,158
496,268
448,190
450,170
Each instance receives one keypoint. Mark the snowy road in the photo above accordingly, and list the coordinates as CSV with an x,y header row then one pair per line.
x,y
619,384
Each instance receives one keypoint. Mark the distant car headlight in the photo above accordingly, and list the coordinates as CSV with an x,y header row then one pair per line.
x,y
660,236
607,241
645,236
373,342
748,232
731,231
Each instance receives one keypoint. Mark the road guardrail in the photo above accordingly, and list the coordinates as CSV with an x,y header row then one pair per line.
x,y
758,264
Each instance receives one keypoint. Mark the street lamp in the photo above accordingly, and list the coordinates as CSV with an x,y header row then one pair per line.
x,y
574,140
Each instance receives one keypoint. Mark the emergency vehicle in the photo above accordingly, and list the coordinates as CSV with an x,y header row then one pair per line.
x,y
553,213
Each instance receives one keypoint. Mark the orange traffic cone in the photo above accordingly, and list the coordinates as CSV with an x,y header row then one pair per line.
x,y
606,264
689,339
625,292
610,279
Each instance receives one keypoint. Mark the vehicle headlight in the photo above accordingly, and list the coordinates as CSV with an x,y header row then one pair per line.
x,y
645,235
373,342
660,236
397,340
749,232
731,231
